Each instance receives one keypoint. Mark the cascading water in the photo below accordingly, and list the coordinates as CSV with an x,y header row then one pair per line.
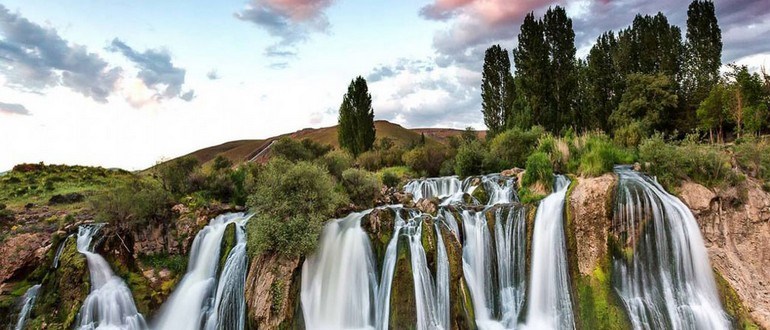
x,y
229,307
432,311
511,242
110,304
339,281
29,301
499,193
549,305
198,295
664,278
59,251
448,189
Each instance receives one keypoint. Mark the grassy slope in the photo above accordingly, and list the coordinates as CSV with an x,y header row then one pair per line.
x,y
239,151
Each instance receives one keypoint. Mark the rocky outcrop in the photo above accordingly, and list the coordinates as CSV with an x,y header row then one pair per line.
x,y
272,292
590,207
735,223
20,254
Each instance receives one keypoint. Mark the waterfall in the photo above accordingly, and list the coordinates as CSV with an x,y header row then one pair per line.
x,y
29,302
549,305
339,281
59,251
664,277
499,194
200,293
110,304
229,307
386,279
434,187
497,304
442,280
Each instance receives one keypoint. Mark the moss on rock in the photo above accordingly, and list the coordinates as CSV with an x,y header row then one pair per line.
x,y
731,302
62,292
403,306
480,194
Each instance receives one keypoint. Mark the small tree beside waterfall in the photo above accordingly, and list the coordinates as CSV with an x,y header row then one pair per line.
x,y
356,121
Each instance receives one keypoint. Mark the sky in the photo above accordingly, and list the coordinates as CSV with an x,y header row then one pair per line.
x,y
128,83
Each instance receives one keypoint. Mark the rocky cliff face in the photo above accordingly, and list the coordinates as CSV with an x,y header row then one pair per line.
x,y
735,223
272,292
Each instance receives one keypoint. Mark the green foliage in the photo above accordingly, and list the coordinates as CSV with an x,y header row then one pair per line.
x,y
374,160
295,150
221,163
362,186
648,99
513,146
291,201
703,50
630,135
605,82
497,90
753,157
356,131
132,205
337,161
538,171
671,163
425,159
177,175
390,179
598,155
470,159
714,111
173,262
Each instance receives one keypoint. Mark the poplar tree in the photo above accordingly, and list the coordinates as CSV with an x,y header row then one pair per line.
x,y
355,130
560,38
497,89
532,72
703,51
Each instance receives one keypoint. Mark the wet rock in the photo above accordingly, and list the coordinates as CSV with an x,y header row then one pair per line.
x,y
272,291
514,172
429,206
20,254
591,211
736,231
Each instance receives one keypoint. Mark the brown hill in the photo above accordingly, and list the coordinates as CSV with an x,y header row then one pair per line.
x,y
246,150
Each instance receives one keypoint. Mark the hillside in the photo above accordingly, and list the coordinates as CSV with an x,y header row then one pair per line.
x,y
244,150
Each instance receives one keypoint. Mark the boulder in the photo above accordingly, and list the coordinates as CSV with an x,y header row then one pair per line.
x,y
591,212
272,291
66,199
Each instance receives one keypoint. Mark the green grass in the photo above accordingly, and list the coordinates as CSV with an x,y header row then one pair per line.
x,y
36,186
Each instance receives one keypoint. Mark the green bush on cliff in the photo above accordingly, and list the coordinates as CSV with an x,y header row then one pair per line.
x,y
132,204
470,158
671,162
513,146
291,201
337,161
538,171
362,186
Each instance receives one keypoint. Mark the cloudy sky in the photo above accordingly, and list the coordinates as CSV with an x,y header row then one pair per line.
x,y
127,83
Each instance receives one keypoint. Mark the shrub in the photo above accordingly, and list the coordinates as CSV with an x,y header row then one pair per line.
x,y
425,159
291,201
600,155
470,159
513,146
337,161
390,179
370,160
132,204
753,156
671,163
290,149
221,163
630,135
557,149
362,186
175,175
538,170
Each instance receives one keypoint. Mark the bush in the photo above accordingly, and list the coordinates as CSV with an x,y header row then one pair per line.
x,y
470,159
291,201
513,146
177,175
132,205
374,160
290,149
753,156
337,161
557,149
671,163
363,187
390,179
630,135
538,171
221,163
425,159
599,155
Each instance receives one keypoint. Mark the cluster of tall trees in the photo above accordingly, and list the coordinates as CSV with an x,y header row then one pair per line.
x,y
640,79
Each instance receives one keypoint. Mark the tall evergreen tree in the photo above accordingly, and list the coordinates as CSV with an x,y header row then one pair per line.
x,y
560,38
355,130
703,51
496,89
604,82
532,71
